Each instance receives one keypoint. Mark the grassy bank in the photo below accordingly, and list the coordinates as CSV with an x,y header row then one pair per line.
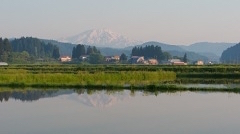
x,y
115,76
22,78
92,68
209,75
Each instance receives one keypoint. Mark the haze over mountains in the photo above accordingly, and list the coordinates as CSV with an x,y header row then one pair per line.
x,y
208,47
111,43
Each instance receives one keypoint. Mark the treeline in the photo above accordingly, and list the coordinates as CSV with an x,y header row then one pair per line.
x,y
5,49
91,54
36,48
150,52
80,50
231,55
25,50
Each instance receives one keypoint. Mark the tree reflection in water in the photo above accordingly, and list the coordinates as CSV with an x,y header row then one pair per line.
x,y
36,94
30,95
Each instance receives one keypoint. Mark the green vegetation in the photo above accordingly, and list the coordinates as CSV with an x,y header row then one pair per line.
x,y
35,48
123,58
185,58
27,50
116,76
74,68
23,77
5,49
80,50
149,52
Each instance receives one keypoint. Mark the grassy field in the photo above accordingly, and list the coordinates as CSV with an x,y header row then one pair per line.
x,y
65,68
114,76
23,77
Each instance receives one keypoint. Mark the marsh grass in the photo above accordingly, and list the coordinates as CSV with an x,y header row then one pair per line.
x,y
22,78
115,76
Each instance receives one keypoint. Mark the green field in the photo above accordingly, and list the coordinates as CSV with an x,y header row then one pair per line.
x,y
115,76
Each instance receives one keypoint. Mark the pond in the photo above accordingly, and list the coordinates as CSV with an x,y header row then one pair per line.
x,y
83,111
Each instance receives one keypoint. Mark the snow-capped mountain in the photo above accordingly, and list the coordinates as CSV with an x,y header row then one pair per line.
x,y
100,99
101,38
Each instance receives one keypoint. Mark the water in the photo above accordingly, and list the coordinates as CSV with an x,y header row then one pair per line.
x,y
120,112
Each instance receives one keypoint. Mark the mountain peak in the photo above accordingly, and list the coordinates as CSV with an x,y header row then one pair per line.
x,y
101,38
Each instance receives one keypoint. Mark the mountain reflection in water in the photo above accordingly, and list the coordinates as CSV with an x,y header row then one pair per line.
x,y
100,99
93,98
90,98
74,111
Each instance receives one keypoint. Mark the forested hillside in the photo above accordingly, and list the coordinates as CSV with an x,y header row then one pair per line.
x,y
35,48
231,55
65,49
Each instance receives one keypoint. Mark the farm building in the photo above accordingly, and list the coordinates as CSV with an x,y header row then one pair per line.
x,y
200,62
65,59
137,60
152,61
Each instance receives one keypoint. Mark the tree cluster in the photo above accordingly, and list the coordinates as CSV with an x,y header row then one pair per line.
x,y
231,55
95,56
149,52
35,48
5,49
80,50
123,58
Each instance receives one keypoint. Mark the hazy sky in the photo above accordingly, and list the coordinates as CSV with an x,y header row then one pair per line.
x,y
169,21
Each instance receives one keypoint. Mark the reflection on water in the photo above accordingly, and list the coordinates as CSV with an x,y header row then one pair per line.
x,y
116,112
218,86
207,81
100,99
31,95
91,98
104,98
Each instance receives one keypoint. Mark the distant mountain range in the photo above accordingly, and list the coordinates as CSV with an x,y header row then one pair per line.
x,y
231,55
101,38
111,43
165,47
193,53
208,47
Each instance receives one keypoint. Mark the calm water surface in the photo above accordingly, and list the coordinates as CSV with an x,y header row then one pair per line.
x,y
122,112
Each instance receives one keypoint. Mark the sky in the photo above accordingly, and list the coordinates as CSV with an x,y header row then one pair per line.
x,y
178,22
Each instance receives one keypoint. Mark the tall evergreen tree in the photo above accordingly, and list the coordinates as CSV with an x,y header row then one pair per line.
x,y
89,50
123,57
74,53
56,54
78,51
185,58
